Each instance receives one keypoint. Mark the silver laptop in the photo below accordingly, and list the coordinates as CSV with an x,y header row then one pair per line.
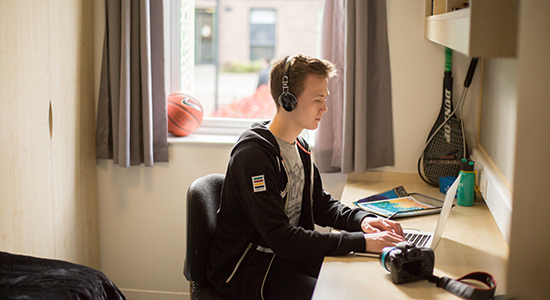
x,y
425,238
431,239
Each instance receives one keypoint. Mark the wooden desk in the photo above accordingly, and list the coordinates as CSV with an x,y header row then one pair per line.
x,y
471,242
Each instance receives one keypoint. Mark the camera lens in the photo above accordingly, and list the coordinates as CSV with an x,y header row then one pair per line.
x,y
385,257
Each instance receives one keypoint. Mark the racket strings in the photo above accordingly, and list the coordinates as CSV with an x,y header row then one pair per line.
x,y
447,118
440,159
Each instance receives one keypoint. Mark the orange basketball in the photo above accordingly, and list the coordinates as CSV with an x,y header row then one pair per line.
x,y
184,114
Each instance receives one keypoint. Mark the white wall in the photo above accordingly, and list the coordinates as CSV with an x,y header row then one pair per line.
x,y
499,114
529,263
142,217
142,210
417,67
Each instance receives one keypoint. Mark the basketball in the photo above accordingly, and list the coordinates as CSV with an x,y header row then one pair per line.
x,y
184,114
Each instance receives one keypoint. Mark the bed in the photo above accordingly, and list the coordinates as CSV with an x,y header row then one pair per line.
x,y
27,277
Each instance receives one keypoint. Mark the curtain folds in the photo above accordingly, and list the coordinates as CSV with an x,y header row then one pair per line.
x,y
131,118
356,134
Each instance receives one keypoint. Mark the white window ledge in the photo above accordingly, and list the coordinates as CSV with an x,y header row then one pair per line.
x,y
215,131
196,138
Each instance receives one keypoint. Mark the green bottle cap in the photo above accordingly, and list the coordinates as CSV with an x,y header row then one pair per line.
x,y
466,165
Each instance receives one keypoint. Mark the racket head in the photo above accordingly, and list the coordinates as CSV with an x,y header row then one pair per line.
x,y
443,153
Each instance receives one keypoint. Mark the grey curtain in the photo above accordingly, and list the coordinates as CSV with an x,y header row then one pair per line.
x,y
356,134
131,114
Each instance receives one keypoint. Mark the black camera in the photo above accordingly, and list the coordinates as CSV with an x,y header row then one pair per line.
x,y
407,263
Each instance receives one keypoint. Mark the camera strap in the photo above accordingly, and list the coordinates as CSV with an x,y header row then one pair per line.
x,y
466,291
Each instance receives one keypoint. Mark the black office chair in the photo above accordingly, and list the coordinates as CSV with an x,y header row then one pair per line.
x,y
203,201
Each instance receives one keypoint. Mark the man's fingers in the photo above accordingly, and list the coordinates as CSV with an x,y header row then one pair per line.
x,y
372,225
377,241
398,229
371,229
395,237
389,225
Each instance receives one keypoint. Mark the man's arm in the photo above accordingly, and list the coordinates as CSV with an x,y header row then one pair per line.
x,y
266,210
379,232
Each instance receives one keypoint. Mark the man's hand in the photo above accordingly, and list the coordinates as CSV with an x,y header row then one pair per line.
x,y
377,241
380,233
374,225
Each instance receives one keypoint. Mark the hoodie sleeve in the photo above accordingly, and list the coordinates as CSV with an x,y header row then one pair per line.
x,y
328,211
258,180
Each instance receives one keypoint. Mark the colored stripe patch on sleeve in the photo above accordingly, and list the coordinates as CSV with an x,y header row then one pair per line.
x,y
258,183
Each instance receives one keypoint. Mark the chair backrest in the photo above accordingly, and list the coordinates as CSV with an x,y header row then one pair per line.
x,y
203,201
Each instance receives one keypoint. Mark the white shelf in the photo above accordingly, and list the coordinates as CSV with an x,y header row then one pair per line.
x,y
488,28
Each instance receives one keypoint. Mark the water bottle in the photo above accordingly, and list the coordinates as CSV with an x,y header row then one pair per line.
x,y
466,186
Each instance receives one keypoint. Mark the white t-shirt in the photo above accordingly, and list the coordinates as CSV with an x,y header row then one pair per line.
x,y
295,173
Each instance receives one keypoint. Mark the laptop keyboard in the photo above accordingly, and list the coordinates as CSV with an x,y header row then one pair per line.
x,y
417,239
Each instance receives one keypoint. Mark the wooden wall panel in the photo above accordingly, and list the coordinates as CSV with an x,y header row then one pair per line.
x,y
26,207
73,142
48,189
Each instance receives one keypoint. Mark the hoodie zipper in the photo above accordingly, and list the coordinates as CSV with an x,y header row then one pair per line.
x,y
265,276
311,184
238,263
285,191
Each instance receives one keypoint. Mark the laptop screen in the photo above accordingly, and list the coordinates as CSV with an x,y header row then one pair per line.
x,y
445,210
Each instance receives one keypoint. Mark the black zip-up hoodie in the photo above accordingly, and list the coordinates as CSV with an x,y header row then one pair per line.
x,y
252,227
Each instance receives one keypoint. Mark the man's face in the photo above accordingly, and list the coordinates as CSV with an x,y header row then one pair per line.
x,y
311,103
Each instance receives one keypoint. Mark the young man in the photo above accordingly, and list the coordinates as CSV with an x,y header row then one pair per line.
x,y
265,244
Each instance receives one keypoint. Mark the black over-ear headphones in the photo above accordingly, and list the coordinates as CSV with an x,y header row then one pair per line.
x,y
287,100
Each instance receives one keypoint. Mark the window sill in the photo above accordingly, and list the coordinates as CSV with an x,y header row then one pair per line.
x,y
196,138
215,131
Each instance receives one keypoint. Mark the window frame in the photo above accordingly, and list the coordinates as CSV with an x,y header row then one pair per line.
x,y
210,126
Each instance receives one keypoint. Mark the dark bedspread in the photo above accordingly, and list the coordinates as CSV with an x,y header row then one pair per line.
x,y
26,277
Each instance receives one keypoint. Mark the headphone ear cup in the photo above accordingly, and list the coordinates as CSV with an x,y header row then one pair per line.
x,y
288,101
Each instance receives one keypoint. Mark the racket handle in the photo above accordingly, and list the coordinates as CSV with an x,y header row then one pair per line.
x,y
471,70
448,60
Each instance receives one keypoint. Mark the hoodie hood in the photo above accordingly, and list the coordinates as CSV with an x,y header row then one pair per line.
x,y
260,134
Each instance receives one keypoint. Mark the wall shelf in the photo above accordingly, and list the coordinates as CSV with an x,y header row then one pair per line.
x,y
487,28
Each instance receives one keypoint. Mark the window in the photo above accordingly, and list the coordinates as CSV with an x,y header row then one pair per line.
x,y
222,52
204,37
262,34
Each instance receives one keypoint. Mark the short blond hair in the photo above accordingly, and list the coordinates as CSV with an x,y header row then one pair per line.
x,y
300,67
